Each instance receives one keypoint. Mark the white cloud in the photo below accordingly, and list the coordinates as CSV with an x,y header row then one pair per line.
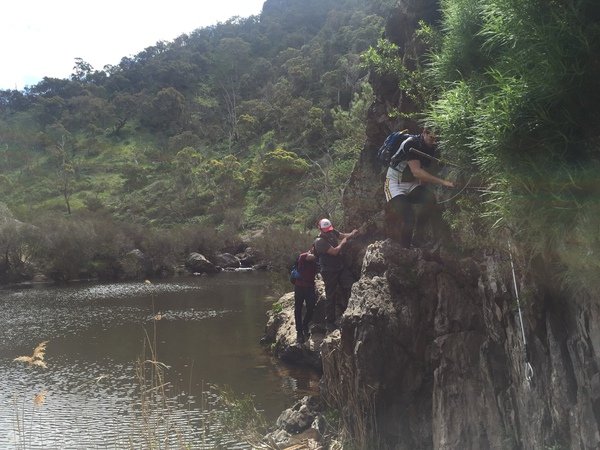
x,y
41,38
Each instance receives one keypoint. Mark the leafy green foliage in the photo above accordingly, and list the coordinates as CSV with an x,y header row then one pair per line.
x,y
405,68
223,126
518,107
280,168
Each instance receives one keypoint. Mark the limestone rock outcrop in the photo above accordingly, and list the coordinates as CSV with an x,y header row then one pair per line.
x,y
431,355
280,332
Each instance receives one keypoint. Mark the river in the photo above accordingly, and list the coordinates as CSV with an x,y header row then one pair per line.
x,y
205,330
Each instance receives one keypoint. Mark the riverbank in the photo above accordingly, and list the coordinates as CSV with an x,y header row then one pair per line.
x,y
96,247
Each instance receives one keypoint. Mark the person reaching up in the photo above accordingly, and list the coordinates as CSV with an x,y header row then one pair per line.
x,y
406,185
336,276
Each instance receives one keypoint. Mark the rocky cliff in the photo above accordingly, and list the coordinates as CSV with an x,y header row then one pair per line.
x,y
432,353
431,356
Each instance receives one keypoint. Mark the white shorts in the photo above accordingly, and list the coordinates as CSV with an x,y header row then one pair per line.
x,y
394,188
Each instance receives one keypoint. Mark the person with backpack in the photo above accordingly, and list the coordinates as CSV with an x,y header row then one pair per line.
x,y
406,185
336,276
304,291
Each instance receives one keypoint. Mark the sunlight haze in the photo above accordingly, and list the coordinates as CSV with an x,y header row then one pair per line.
x,y
42,38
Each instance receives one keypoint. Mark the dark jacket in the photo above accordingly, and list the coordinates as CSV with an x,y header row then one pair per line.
x,y
327,262
308,271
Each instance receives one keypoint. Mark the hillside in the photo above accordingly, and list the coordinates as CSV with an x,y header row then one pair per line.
x,y
256,118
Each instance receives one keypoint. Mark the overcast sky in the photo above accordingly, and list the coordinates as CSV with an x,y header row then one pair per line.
x,y
41,38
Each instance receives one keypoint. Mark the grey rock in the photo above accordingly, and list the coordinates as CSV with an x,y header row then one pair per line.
x,y
280,331
249,257
197,263
226,260
301,416
432,358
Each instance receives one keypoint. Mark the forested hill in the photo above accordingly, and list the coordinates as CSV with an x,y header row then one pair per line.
x,y
250,120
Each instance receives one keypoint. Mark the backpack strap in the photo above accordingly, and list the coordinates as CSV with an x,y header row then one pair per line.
x,y
317,253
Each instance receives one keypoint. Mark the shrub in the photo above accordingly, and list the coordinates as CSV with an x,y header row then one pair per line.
x,y
279,245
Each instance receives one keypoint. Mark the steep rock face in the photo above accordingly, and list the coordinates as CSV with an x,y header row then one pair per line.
x,y
431,355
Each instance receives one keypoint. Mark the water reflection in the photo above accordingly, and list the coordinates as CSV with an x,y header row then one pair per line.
x,y
208,332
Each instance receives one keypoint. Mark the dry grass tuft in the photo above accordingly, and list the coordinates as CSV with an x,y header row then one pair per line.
x,y
39,363
37,358
40,351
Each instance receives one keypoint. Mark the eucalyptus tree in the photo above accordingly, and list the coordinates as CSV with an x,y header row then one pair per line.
x,y
165,111
81,70
231,61
65,169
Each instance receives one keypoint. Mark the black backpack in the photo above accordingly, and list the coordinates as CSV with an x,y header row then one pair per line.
x,y
391,145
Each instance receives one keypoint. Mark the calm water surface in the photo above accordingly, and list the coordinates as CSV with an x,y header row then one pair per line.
x,y
89,396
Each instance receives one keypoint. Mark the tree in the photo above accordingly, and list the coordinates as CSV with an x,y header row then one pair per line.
x,y
55,87
49,110
280,169
299,71
231,59
125,106
13,101
165,111
81,70
65,170
87,112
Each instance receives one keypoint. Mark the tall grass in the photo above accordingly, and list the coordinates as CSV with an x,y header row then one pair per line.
x,y
241,418
353,410
24,419
154,405
519,107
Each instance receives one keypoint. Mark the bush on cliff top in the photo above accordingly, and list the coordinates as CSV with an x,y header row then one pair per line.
x,y
519,106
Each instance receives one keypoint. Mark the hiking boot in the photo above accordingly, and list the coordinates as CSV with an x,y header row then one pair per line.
x,y
300,337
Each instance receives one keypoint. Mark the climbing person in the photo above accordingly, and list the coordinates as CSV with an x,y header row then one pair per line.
x,y
406,185
336,276
304,292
